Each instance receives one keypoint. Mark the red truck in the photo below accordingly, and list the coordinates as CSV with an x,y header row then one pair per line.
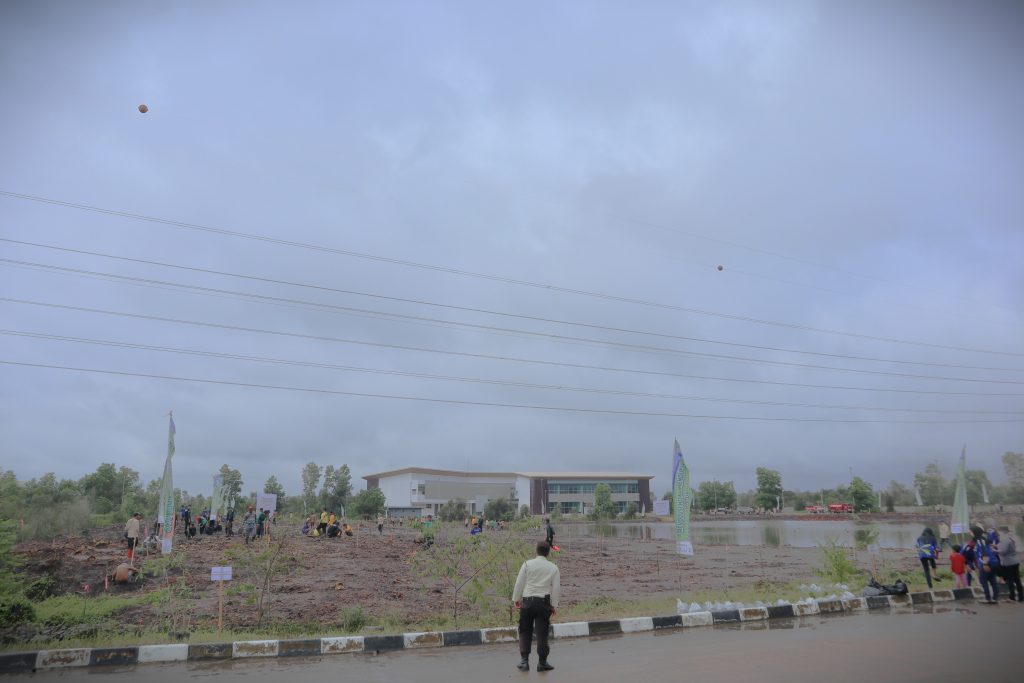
x,y
814,509
840,507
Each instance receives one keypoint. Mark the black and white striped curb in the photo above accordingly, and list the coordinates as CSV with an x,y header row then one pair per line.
x,y
144,654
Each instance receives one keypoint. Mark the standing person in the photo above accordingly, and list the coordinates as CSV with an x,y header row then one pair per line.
x,y
380,525
229,518
249,525
968,552
261,521
1010,562
549,532
943,535
132,533
958,565
322,527
987,561
536,597
927,549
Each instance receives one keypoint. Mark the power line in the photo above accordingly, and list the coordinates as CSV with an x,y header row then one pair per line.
x,y
491,328
486,276
466,354
477,380
495,313
598,411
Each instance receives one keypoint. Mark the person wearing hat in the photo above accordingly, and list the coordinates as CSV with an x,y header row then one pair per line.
x,y
132,533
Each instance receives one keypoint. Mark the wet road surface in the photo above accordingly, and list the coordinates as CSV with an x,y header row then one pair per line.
x,y
941,643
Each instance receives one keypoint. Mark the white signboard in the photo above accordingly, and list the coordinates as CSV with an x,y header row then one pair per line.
x,y
266,501
661,508
220,573
684,547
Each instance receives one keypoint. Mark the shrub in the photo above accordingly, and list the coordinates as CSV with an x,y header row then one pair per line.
x,y
353,619
835,562
14,611
41,588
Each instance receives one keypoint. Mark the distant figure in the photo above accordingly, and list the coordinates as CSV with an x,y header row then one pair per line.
x,y
229,520
943,535
132,532
380,525
536,597
322,527
927,549
987,560
333,529
1010,562
249,525
550,532
347,529
958,565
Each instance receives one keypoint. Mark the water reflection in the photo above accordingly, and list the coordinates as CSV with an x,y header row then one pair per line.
x,y
768,532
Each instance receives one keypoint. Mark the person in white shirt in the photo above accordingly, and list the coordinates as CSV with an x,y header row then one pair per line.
x,y
132,533
536,598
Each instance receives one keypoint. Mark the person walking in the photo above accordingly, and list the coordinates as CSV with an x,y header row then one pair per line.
x,y
132,533
1010,562
549,532
536,597
927,549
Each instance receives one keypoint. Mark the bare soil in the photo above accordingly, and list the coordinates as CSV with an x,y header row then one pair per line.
x,y
376,573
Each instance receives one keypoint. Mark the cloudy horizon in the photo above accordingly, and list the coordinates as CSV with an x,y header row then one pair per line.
x,y
544,238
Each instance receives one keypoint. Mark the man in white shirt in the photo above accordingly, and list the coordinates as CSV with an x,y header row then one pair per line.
x,y
132,533
536,598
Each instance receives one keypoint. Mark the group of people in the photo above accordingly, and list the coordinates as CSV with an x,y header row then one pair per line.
x,y
327,525
990,553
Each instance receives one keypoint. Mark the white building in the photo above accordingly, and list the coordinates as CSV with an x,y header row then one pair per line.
x,y
417,490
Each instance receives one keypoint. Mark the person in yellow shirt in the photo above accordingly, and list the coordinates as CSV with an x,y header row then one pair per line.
x,y
331,519
322,527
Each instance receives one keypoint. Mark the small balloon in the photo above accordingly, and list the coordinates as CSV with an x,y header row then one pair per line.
x,y
721,267
143,108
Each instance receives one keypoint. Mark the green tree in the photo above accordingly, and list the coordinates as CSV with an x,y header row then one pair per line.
x,y
368,503
108,486
524,511
932,485
975,480
671,502
310,481
604,508
902,496
272,486
337,487
453,511
769,488
499,508
863,496
232,483
715,494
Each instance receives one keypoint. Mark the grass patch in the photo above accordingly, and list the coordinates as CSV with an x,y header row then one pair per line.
x,y
69,610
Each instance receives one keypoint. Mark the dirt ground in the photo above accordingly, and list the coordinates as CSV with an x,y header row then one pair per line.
x,y
377,573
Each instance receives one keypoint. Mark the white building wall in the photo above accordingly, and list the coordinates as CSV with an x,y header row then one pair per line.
x,y
397,490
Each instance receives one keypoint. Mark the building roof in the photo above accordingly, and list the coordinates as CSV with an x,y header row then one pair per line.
x,y
531,475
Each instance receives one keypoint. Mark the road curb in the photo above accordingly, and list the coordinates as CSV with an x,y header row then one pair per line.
x,y
28,662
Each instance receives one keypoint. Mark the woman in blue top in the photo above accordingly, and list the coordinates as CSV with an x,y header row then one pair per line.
x,y
927,549
986,558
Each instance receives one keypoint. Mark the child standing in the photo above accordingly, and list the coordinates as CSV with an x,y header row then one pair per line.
x,y
958,564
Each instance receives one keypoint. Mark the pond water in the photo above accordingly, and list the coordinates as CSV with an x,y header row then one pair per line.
x,y
769,532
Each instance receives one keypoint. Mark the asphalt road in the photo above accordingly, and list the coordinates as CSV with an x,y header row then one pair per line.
x,y
944,643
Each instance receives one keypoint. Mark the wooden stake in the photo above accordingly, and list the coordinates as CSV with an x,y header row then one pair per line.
x,y
220,608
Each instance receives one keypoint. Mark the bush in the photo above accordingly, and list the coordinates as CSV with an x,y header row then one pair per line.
x,y
836,565
41,588
524,510
353,619
14,611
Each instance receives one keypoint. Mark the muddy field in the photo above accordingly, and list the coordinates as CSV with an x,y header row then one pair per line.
x,y
328,576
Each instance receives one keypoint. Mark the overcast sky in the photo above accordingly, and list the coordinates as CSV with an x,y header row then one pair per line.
x,y
855,168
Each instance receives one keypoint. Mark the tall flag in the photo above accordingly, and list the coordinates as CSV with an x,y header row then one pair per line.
x,y
917,496
961,514
167,495
984,494
683,497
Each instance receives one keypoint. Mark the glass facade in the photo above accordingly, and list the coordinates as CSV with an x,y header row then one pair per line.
x,y
559,487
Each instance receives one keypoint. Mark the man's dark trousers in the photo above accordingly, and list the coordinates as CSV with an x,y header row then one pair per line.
x,y
534,616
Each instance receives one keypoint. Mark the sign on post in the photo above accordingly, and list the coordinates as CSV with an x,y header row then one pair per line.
x,y
220,573
661,508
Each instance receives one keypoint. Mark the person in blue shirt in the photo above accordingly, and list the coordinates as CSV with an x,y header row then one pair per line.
x,y
927,550
986,558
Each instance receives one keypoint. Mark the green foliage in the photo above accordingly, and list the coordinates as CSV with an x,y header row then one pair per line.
x,y
353,619
631,511
72,609
14,611
272,486
41,588
367,503
310,480
499,508
769,488
524,511
604,508
232,483
337,488
836,565
453,511
671,502
10,582
715,494
862,494
933,486
257,566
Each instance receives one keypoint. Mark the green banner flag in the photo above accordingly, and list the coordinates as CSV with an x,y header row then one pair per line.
x,y
961,513
166,515
682,495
